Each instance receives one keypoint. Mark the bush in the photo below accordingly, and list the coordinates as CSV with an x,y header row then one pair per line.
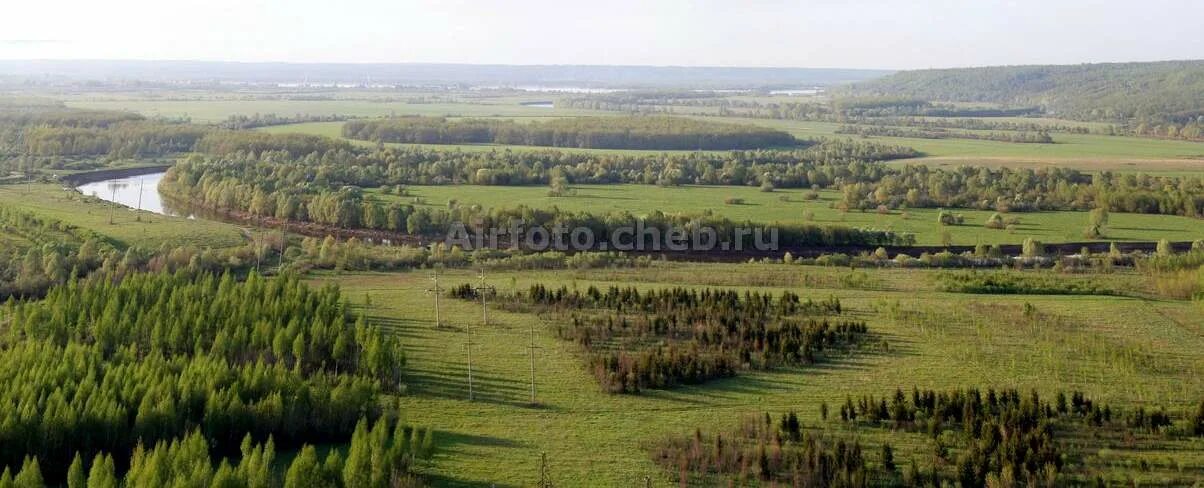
x,y
949,218
995,222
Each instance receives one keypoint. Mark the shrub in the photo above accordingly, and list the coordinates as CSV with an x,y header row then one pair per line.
x,y
949,218
995,222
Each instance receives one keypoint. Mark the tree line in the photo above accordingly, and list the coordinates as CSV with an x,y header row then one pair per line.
x,y
299,160
650,132
1040,137
1023,190
253,121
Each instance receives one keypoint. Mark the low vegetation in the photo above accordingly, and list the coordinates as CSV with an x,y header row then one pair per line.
x,y
663,338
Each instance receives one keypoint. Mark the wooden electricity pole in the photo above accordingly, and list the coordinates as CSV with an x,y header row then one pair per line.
x,y
468,346
113,201
532,348
141,183
283,240
484,289
436,291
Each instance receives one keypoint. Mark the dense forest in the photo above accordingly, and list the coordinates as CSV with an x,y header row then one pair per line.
x,y
658,133
662,338
1169,93
191,357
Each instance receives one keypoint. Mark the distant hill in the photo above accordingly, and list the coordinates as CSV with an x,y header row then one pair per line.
x,y
1158,91
440,74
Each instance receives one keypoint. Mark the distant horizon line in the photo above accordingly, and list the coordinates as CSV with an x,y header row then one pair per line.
x,y
570,65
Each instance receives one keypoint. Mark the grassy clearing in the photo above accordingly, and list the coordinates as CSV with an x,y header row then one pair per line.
x,y
90,213
763,207
1124,351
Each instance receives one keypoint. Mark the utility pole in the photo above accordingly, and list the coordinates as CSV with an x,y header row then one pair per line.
x,y
140,185
483,289
468,346
113,201
436,291
532,348
283,240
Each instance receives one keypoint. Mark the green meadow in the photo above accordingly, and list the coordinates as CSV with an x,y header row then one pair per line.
x,y
1127,351
128,228
789,206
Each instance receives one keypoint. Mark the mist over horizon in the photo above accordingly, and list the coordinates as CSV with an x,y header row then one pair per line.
x,y
870,34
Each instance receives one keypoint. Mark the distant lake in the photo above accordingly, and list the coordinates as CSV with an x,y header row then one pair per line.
x,y
551,89
540,104
140,191
796,92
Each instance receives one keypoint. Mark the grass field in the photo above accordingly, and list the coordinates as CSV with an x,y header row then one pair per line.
x,y
52,201
762,207
1066,146
1124,351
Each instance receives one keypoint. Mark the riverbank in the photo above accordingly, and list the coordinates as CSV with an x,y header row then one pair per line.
x,y
86,177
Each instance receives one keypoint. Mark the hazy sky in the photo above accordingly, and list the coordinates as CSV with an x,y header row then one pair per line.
x,y
894,34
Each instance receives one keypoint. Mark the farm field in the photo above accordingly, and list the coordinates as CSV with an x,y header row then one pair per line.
x,y
1125,351
1065,147
788,206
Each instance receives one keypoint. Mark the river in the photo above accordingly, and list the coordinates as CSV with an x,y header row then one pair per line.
x,y
140,192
